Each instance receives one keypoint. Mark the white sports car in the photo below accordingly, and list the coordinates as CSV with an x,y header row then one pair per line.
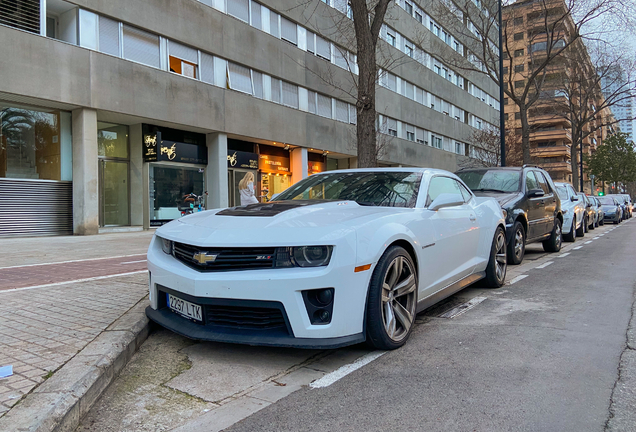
x,y
339,258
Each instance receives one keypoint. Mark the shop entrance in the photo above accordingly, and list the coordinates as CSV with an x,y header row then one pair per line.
x,y
114,201
170,186
234,179
273,184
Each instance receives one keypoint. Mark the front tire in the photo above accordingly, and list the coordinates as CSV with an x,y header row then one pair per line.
x,y
553,244
602,222
571,236
587,225
517,245
392,300
497,264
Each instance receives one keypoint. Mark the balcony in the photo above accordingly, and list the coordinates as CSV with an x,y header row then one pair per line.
x,y
543,152
552,135
547,119
556,166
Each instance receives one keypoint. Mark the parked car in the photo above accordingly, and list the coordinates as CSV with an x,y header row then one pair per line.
x,y
590,213
599,212
339,258
624,207
573,210
528,195
628,205
611,209
593,221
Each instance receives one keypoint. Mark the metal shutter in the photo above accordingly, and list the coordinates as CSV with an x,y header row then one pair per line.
x,y
207,68
288,31
339,57
353,114
323,48
257,82
312,102
240,78
108,36
256,17
183,52
273,24
392,81
239,9
324,106
340,5
342,111
21,14
290,95
419,95
141,46
35,207
310,42
275,90
420,135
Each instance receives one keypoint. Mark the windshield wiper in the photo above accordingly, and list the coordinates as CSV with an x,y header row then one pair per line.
x,y
488,190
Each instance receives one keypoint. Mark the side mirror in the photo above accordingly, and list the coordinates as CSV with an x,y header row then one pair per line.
x,y
446,200
535,193
574,198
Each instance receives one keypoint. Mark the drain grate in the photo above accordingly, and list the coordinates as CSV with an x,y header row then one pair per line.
x,y
444,306
458,310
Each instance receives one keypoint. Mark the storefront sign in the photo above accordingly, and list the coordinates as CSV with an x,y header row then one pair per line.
x,y
273,164
239,159
171,151
315,167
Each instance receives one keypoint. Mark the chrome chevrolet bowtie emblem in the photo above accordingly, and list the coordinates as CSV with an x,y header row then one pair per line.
x,y
204,258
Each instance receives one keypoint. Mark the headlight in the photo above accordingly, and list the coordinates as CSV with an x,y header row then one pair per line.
x,y
303,256
166,245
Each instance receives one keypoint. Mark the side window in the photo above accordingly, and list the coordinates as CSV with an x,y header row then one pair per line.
x,y
543,183
465,193
531,181
442,185
571,190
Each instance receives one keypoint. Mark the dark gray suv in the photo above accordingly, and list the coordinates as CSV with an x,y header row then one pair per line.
x,y
531,205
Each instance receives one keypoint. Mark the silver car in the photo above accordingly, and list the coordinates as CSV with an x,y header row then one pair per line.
x,y
573,209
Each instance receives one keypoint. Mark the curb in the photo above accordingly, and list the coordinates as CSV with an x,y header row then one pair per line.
x,y
60,402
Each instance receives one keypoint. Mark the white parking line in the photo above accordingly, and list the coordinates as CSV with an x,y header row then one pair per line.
x,y
563,255
73,261
345,370
517,279
133,262
577,248
542,266
588,242
595,238
73,281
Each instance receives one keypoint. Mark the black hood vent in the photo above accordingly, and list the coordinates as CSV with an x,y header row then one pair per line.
x,y
267,209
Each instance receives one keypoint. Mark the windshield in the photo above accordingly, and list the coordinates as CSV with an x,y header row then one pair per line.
x,y
605,200
387,189
563,192
491,180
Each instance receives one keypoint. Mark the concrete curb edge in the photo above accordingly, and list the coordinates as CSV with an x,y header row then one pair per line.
x,y
60,402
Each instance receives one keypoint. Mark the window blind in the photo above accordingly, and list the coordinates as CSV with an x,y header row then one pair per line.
x,y
324,106
256,17
108,36
141,46
257,83
323,48
183,52
312,102
342,111
207,68
310,42
353,114
239,9
339,57
290,95
289,31
273,24
240,78
275,90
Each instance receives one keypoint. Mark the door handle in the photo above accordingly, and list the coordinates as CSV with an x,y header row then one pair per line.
x,y
473,217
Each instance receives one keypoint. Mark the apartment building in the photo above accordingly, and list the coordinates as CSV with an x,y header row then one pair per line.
x,y
613,82
111,112
550,130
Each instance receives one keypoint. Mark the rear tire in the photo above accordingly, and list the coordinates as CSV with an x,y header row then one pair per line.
x,y
392,300
498,263
517,245
581,230
602,222
571,236
553,244
587,225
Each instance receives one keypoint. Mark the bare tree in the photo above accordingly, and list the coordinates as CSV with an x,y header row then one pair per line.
x,y
486,144
534,34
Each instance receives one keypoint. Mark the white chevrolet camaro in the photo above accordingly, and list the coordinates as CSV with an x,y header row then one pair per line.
x,y
339,258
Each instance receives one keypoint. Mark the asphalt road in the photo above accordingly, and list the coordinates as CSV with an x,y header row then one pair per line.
x,y
542,354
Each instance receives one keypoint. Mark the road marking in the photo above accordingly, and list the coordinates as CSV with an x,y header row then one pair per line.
x,y
542,266
73,281
73,261
345,370
595,238
577,248
588,242
132,262
563,255
517,279
458,310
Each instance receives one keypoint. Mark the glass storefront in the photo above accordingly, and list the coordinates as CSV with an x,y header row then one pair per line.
x,y
170,188
114,192
273,184
35,143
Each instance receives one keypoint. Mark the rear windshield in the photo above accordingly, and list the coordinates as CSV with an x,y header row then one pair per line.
x,y
491,180
606,200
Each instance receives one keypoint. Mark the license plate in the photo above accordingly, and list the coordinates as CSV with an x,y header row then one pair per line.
x,y
185,308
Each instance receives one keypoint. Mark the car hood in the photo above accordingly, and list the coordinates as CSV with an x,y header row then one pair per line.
x,y
503,198
608,208
273,224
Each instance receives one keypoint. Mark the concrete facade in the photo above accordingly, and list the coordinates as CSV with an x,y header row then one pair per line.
x,y
79,74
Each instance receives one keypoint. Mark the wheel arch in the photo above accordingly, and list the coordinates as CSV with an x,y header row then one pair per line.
x,y
405,244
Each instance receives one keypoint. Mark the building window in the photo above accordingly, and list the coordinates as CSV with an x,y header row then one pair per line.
x,y
519,68
290,95
520,84
240,78
459,148
505,101
506,116
324,106
183,60
109,36
288,31
141,46
408,50
517,116
238,9
418,17
518,36
518,20
408,7
390,38
519,53
437,141
539,46
323,48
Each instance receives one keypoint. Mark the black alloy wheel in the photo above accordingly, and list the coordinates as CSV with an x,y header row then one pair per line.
x,y
517,245
580,231
571,236
498,263
553,244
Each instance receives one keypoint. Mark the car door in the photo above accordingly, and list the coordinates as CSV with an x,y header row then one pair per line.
x,y
549,204
535,207
579,208
456,233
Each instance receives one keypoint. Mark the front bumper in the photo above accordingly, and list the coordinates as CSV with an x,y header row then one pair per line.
x,y
614,217
279,287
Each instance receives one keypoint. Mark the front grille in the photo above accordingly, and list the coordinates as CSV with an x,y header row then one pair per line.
x,y
225,258
240,317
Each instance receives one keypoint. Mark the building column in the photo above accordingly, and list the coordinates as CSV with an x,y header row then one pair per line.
x,y
299,165
138,194
216,173
85,173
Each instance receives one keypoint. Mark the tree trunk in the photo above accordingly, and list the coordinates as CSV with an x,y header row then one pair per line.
x,y
365,127
525,136
574,157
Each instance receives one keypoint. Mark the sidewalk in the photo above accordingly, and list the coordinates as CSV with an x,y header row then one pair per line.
x,y
43,328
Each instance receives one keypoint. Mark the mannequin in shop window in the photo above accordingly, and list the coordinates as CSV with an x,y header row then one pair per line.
x,y
246,189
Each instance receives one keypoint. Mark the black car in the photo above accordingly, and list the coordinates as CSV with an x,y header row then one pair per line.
x,y
532,206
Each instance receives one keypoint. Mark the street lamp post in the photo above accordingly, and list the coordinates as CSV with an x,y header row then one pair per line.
x,y
502,124
581,164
